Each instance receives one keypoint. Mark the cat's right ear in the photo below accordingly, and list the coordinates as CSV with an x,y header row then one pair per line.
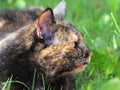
x,y
44,24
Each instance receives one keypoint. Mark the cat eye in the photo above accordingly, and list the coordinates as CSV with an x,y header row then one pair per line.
x,y
76,45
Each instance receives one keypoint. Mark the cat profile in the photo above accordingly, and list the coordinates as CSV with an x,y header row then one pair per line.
x,y
50,45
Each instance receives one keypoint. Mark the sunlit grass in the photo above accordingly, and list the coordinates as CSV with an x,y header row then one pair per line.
x,y
7,84
116,24
101,30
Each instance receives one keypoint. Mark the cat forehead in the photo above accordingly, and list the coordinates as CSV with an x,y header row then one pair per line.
x,y
65,23
68,25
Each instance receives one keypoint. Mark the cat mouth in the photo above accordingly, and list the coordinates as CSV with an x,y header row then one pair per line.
x,y
84,61
78,66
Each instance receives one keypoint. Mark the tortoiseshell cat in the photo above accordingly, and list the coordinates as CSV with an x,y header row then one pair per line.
x,y
51,45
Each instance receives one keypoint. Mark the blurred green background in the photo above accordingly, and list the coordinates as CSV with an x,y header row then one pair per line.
x,y
99,21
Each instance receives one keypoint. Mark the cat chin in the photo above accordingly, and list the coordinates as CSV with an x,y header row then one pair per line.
x,y
78,69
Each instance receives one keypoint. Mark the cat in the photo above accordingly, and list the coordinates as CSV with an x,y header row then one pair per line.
x,y
49,45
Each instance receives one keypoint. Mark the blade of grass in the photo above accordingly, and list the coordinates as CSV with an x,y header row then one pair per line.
x,y
115,22
9,83
33,84
5,84
43,82
21,84
114,42
116,33
49,88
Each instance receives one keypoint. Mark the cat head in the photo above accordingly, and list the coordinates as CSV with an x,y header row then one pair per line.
x,y
64,51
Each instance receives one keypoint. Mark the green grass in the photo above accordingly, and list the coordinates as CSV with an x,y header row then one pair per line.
x,y
7,84
99,21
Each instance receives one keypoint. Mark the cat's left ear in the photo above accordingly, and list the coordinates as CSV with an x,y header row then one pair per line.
x,y
44,24
60,10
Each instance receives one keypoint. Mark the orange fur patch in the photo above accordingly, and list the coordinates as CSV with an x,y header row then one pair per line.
x,y
77,70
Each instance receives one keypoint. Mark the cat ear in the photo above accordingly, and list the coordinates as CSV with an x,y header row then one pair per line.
x,y
60,10
45,22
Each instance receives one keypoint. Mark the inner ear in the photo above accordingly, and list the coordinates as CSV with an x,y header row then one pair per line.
x,y
46,17
45,22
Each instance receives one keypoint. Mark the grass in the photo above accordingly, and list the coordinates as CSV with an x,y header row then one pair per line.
x,y
43,82
99,21
7,84
115,22
33,84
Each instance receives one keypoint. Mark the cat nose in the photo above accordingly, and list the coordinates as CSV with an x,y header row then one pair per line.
x,y
88,54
